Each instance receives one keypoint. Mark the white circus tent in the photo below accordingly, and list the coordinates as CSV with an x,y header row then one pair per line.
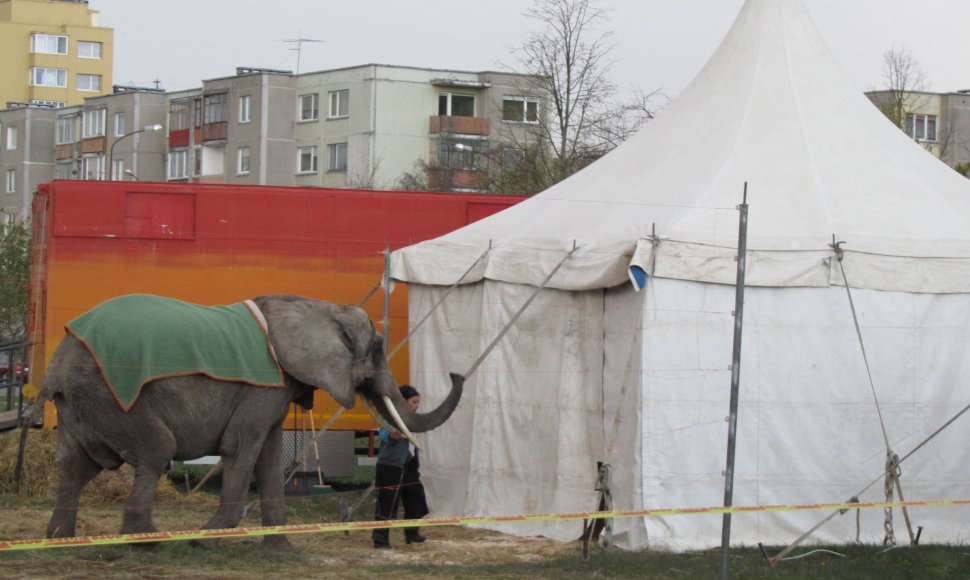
x,y
624,356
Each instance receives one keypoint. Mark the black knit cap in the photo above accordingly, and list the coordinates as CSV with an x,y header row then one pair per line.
x,y
407,391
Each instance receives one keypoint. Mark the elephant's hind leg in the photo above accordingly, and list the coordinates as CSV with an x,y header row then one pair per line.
x,y
76,469
150,464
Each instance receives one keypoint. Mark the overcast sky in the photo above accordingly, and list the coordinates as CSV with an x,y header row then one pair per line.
x,y
659,44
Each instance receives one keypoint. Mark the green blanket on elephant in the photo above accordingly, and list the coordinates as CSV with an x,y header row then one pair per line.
x,y
138,338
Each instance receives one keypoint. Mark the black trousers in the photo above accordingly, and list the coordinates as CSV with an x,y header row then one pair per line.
x,y
398,486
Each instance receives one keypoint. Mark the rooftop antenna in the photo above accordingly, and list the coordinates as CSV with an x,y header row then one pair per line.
x,y
298,41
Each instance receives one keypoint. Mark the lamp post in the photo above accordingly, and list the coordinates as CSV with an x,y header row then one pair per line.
x,y
111,151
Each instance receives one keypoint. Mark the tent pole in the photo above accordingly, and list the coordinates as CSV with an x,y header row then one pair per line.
x,y
387,294
735,383
438,303
516,316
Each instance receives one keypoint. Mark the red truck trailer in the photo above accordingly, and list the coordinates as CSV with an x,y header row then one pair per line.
x,y
219,244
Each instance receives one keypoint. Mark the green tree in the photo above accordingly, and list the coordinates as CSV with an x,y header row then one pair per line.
x,y
14,279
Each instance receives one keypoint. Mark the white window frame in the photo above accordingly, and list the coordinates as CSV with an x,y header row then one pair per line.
x,y
311,113
526,101
13,136
92,167
88,83
117,169
48,77
242,161
339,104
918,127
449,96
178,164
244,109
92,123
89,49
65,131
11,181
309,154
40,43
121,122
338,156
64,170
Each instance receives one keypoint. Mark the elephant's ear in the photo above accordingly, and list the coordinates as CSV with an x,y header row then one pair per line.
x,y
314,342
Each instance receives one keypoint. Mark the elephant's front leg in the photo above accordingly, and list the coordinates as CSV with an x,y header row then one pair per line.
x,y
269,480
236,472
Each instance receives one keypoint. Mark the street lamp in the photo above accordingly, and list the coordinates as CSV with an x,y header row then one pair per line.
x,y
111,151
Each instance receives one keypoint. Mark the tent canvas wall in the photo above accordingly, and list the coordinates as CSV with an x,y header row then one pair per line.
x,y
637,375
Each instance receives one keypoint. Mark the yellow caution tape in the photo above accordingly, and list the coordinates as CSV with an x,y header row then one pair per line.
x,y
10,545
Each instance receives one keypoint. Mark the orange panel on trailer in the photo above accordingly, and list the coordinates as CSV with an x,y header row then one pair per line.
x,y
218,244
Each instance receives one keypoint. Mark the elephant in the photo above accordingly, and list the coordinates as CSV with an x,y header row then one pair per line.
x,y
317,344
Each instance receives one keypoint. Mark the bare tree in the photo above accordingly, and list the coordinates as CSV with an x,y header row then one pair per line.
x,y
569,60
905,81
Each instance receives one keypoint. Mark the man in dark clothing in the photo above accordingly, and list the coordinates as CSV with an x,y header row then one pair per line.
x,y
398,480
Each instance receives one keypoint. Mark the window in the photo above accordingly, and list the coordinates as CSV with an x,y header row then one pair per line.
x,y
520,109
338,157
88,82
65,130
215,108
48,103
244,109
461,154
88,49
92,123
92,168
921,127
307,159
64,170
48,77
117,169
120,122
242,165
453,105
178,164
179,115
339,104
309,107
11,138
11,181
48,44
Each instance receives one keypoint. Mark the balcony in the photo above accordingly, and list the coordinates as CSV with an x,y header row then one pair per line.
x,y
64,151
92,145
178,138
214,131
460,125
455,179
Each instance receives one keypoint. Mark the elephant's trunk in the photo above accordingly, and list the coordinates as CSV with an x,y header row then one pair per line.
x,y
419,422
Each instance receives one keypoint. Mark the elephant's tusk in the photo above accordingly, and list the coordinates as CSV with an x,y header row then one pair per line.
x,y
399,421
377,416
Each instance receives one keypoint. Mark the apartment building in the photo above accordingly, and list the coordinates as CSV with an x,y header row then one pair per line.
x,y
362,127
358,127
938,121
53,53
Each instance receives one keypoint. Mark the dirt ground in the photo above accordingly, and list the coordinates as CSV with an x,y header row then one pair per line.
x,y
24,515
317,555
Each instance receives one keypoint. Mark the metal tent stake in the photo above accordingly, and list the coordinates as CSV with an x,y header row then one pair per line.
x,y
735,383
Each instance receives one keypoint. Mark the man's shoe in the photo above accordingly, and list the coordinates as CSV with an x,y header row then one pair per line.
x,y
382,546
415,539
